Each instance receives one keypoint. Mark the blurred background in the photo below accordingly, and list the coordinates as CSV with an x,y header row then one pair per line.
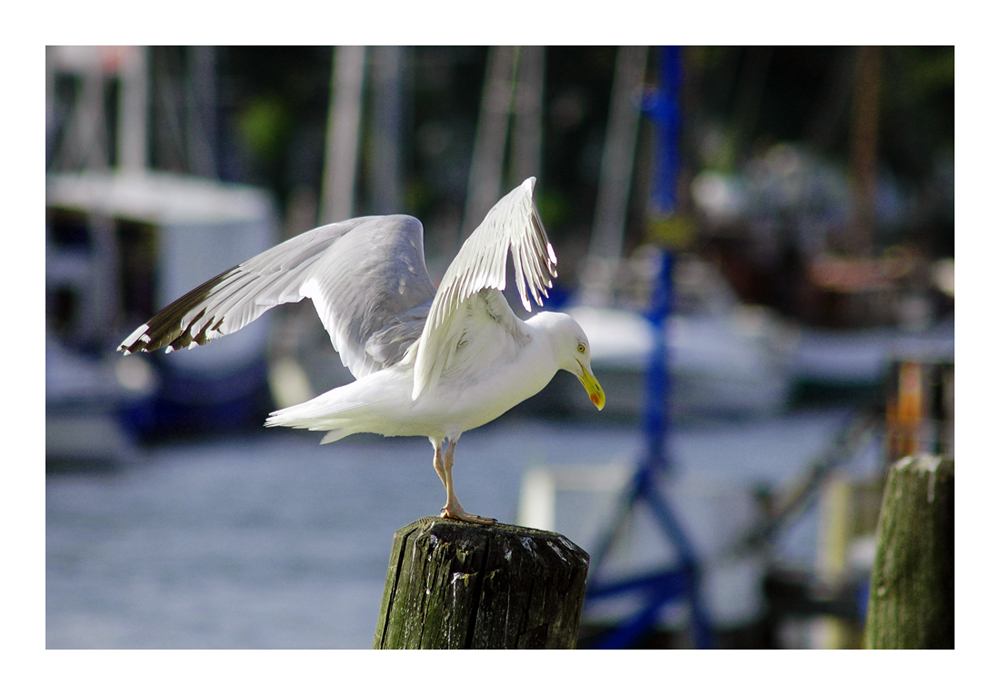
x,y
759,242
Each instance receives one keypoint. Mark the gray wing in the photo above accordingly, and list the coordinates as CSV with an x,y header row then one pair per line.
x,y
366,276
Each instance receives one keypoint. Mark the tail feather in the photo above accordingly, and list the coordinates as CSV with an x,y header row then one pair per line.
x,y
317,414
335,435
360,406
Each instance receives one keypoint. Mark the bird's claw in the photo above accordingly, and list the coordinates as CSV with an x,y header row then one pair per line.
x,y
462,515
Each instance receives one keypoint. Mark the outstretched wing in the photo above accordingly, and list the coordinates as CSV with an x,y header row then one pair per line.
x,y
481,264
366,276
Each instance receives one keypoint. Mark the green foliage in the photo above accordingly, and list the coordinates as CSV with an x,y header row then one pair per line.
x,y
265,126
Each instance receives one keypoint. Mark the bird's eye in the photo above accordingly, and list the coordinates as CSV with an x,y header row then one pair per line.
x,y
581,348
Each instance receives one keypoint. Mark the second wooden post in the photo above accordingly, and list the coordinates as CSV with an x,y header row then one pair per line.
x,y
911,603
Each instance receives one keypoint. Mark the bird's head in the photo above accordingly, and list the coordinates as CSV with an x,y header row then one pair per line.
x,y
572,351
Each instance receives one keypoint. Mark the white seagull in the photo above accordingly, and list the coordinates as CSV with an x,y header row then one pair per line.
x,y
426,363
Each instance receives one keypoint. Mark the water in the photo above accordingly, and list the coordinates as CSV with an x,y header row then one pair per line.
x,y
272,541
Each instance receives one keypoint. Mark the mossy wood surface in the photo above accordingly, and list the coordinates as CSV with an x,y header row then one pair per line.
x,y
911,602
454,585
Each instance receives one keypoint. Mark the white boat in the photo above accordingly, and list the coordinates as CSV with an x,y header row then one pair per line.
x,y
864,357
723,357
83,397
124,245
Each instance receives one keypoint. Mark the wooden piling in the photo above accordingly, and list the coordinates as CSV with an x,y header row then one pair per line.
x,y
455,585
911,601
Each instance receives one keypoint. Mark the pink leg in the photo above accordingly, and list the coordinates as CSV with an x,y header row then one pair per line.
x,y
439,462
452,509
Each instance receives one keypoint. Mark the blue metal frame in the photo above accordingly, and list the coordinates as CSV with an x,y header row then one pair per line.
x,y
669,584
681,582
663,107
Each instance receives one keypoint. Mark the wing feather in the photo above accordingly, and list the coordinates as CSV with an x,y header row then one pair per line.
x,y
366,276
512,225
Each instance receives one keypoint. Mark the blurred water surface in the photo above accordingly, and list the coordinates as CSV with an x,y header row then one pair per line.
x,y
272,541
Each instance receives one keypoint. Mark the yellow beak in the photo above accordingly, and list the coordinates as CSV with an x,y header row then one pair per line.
x,y
594,389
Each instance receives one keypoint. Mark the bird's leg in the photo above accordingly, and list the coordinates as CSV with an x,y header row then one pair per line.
x,y
452,509
439,462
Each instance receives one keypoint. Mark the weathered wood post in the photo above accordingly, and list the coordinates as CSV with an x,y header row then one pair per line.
x,y
911,602
455,585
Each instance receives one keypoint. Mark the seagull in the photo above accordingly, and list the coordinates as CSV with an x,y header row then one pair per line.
x,y
427,362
